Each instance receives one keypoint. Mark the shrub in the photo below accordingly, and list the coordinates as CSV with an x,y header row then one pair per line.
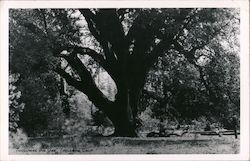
x,y
18,139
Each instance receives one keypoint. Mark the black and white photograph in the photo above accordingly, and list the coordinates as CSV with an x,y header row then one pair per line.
x,y
124,80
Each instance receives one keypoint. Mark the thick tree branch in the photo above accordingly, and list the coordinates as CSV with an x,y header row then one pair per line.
x,y
77,65
98,30
108,66
69,79
91,20
132,30
107,29
92,53
112,32
87,84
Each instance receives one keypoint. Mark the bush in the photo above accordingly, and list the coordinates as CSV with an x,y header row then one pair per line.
x,y
18,139
15,106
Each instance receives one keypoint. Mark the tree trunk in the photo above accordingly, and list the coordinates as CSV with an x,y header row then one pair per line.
x,y
122,115
123,126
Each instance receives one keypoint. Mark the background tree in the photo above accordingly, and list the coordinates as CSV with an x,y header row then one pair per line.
x,y
126,44
38,83
15,106
191,88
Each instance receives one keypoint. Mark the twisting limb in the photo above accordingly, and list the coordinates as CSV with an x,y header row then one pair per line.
x,y
93,23
90,17
86,84
106,27
98,30
106,65
69,79
92,53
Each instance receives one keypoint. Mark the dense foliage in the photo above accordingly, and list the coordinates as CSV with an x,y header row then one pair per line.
x,y
134,66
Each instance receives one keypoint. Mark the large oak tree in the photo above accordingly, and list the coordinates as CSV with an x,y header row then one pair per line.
x,y
125,43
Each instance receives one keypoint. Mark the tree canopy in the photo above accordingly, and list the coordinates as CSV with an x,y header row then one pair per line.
x,y
181,63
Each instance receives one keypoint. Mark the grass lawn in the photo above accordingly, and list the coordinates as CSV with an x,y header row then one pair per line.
x,y
193,144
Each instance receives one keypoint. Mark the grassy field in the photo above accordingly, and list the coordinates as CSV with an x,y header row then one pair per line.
x,y
194,144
